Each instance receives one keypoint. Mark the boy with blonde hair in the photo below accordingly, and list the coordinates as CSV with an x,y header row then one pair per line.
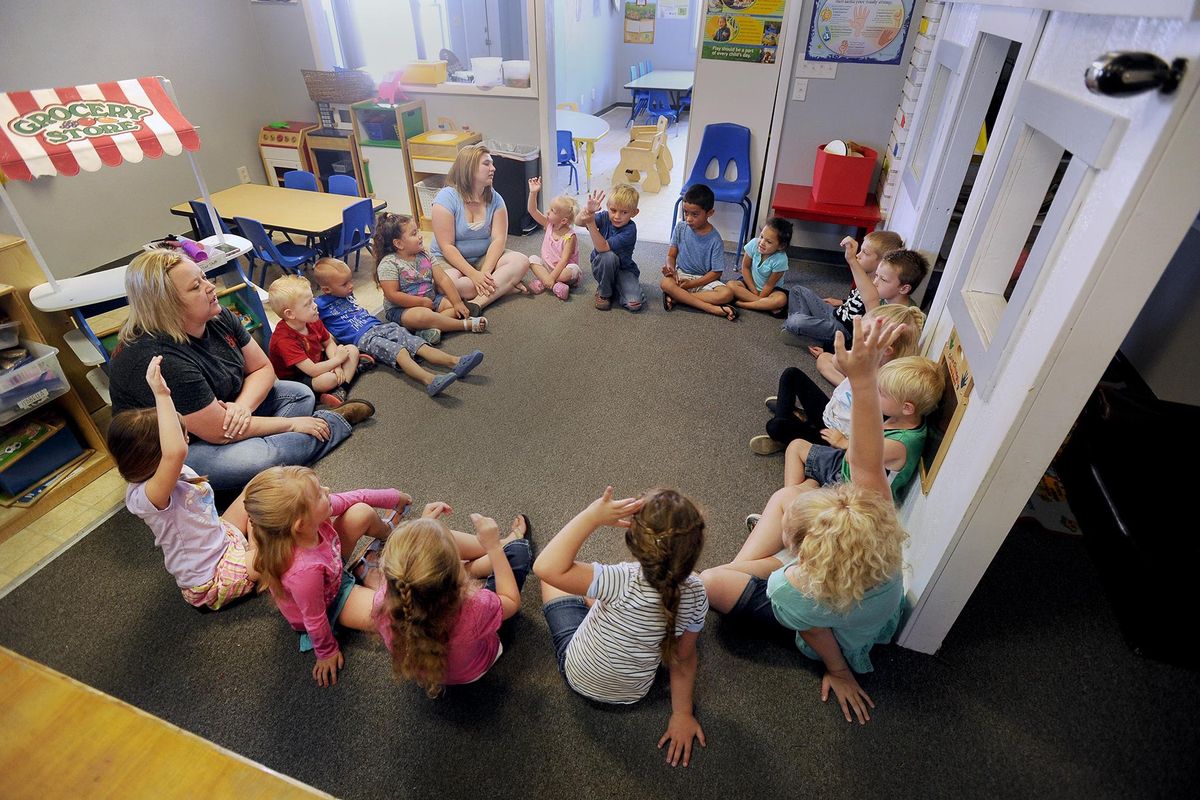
x,y
387,342
614,236
909,389
301,348
820,318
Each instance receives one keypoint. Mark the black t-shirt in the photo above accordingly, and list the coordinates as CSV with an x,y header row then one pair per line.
x,y
197,371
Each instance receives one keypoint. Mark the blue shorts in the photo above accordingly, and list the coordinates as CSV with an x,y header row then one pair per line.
x,y
564,615
334,611
395,313
753,609
824,464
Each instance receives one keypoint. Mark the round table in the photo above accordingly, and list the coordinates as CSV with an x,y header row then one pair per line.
x,y
585,130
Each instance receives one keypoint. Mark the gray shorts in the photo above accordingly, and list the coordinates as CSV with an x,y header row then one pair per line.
x,y
824,464
386,340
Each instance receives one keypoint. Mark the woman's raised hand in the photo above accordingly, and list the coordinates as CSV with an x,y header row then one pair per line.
x,y
154,377
606,511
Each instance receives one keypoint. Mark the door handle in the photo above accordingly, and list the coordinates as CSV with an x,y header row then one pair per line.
x,y
1118,74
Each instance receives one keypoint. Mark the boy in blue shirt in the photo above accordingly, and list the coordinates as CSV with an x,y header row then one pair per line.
x,y
696,259
613,238
387,342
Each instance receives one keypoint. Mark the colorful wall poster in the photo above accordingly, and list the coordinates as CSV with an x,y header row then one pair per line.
x,y
639,21
859,31
742,30
674,9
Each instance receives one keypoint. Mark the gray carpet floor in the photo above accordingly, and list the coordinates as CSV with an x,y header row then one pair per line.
x,y
1034,693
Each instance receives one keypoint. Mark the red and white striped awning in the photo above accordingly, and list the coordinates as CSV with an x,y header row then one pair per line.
x,y
61,131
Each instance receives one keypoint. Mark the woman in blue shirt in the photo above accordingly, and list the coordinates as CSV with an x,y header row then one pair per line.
x,y
470,230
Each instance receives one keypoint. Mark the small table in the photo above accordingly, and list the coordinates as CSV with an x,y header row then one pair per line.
x,y
796,202
314,215
673,80
586,130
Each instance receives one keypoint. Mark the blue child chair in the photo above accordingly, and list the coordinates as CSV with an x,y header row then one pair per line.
x,y
343,184
203,224
567,157
659,105
356,231
640,97
288,256
723,143
300,179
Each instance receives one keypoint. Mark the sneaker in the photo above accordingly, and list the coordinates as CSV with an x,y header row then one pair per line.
x,y
467,363
751,521
439,383
333,399
603,303
773,403
764,445
366,363
561,290
536,286
430,335
355,411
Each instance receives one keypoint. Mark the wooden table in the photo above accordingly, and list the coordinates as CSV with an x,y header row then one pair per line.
x,y
586,130
315,215
796,202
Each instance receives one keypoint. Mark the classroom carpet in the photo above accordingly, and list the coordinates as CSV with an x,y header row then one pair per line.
x,y
1033,693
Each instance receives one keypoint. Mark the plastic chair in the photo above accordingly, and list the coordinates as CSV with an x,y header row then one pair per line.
x,y
343,184
724,143
659,105
685,102
288,256
567,157
646,67
203,224
356,230
300,179
640,97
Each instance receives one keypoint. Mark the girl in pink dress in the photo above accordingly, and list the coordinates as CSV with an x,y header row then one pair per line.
x,y
304,533
558,266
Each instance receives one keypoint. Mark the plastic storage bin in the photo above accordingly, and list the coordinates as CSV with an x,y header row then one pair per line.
x,y
488,71
516,74
428,73
34,384
427,189
9,331
515,165
843,180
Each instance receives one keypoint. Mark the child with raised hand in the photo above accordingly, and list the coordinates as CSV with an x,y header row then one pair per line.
x,y
440,625
614,624
696,259
302,350
208,555
614,235
387,342
303,535
820,318
418,293
839,586
764,263
558,265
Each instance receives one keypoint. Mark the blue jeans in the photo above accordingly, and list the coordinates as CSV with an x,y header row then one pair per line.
x,y
564,615
520,558
231,466
809,315
616,284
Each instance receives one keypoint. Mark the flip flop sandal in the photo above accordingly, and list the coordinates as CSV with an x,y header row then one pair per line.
x,y
731,313
528,537
668,303
365,562
475,309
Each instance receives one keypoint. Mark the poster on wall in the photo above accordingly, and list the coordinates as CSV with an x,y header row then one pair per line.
x,y
858,31
742,30
674,9
639,21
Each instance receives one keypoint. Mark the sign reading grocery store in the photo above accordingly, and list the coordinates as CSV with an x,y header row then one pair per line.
x,y
63,123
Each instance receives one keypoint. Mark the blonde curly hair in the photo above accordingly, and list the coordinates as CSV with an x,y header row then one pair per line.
x,y
847,540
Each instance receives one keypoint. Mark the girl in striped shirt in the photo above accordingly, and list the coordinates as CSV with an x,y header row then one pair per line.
x,y
614,624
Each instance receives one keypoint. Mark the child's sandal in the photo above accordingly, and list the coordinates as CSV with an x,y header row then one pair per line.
x,y
475,324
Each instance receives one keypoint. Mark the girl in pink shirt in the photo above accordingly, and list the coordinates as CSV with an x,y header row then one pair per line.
x,y
441,627
304,534
557,269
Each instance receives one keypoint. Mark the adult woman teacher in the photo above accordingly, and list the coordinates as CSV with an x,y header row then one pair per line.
x,y
240,419
470,231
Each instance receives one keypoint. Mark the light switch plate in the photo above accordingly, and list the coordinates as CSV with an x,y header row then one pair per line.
x,y
816,69
800,89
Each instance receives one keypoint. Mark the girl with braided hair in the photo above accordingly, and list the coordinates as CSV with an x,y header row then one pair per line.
x,y
614,624
440,625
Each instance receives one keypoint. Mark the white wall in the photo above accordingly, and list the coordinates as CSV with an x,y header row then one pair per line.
x,y
226,85
585,54
674,47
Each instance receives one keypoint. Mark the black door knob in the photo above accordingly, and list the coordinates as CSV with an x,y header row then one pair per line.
x,y
1124,74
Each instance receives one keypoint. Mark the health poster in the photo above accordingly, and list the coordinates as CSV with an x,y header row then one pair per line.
x,y
860,31
742,30
639,21
674,9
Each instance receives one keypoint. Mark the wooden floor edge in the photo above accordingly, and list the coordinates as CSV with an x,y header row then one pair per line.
x,y
60,743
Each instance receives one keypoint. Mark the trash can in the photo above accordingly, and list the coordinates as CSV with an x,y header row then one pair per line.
x,y
515,165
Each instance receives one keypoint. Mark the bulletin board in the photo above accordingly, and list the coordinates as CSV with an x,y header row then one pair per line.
x,y
859,31
742,30
943,423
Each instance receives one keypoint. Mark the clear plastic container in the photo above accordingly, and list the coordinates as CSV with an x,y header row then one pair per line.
x,y
9,331
31,385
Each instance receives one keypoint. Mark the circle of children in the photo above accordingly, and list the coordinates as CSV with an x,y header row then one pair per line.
x,y
822,561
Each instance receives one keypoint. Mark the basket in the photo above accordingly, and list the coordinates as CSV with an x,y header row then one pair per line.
x,y
427,189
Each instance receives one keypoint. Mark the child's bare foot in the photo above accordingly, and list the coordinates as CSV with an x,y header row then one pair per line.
x,y
520,529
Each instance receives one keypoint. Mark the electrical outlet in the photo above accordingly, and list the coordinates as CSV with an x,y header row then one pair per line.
x,y
243,174
816,69
800,89
582,105
593,92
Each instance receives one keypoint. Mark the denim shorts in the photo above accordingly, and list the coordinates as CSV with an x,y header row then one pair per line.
x,y
564,615
753,608
824,464
334,611
395,313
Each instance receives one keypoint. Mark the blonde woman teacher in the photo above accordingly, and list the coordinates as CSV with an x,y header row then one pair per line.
x,y
470,231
